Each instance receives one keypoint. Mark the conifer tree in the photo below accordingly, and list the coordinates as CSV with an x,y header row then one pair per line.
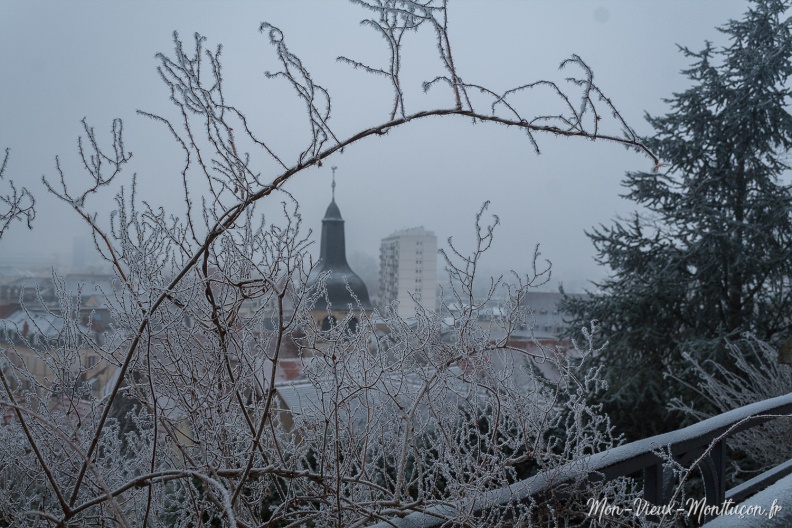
x,y
709,256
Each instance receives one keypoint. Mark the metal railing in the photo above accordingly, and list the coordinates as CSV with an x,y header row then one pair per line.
x,y
702,443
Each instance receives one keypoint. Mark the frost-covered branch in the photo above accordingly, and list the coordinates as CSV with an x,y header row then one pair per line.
x,y
17,205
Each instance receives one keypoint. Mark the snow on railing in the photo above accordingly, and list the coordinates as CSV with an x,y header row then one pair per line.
x,y
701,443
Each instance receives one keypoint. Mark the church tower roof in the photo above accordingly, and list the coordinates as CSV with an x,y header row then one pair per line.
x,y
332,256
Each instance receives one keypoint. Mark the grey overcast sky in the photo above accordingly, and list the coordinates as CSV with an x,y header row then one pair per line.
x,y
62,61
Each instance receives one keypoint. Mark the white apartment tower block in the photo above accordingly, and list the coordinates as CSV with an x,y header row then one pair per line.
x,y
408,269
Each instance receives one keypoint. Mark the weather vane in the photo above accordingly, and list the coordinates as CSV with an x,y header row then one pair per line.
x,y
333,185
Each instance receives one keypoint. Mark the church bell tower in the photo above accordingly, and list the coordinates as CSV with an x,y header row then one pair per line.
x,y
345,290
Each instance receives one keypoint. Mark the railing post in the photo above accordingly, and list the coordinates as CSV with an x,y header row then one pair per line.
x,y
713,471
657,486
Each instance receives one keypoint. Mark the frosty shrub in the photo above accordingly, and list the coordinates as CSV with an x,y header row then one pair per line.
x,y
759,376
175,417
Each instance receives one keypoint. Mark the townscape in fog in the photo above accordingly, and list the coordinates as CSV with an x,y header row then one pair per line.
x,y
550,286
33,291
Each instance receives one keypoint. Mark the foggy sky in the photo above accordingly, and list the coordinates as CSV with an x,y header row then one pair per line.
x,y
62,61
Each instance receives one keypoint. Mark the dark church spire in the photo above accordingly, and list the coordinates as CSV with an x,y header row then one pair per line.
x,y
332,256
333,244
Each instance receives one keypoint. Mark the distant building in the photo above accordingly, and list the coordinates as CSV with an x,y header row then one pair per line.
x,y
408,271
544,316
92,293
80,249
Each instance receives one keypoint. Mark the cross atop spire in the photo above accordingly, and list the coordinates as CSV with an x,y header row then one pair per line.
x,y
333,185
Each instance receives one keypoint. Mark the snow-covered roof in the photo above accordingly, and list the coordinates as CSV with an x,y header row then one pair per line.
x,y
297,397
44,324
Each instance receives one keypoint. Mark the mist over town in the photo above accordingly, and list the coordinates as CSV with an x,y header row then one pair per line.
x,y
403,263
